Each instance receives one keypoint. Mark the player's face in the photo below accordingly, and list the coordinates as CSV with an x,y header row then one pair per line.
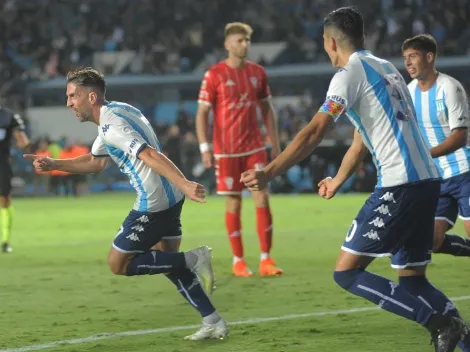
x,y
79,101
417,63
237,45
330,47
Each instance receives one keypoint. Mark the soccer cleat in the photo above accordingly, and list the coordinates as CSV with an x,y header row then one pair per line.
x,y
446,332
218,330
203,268
6,248
240,269
267,267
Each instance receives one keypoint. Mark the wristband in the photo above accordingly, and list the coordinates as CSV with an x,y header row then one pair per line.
x,y
204,147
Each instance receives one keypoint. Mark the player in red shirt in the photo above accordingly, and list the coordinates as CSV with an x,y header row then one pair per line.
x,y
234,89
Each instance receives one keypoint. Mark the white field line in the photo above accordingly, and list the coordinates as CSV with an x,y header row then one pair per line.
x,y
105,336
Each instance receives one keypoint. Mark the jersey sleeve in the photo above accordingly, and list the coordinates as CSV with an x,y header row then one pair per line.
x,y
342,94
457,105
17,122
119,134
207,91
98,149
265,91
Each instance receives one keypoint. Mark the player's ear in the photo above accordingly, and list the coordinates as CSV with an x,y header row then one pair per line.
x,y
429,57
92,97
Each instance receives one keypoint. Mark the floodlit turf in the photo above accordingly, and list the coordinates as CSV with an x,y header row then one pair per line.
x,y
56,284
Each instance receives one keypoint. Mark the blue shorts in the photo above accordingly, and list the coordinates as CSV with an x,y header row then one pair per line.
x,y
454,199
141,230
397,222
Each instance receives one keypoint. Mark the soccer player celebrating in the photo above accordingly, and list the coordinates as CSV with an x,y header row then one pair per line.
x,y
442,111
11,125
126,137
234,89
398,218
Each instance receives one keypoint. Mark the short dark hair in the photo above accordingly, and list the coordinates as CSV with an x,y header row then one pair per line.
x,y
87,77
349,21
422,42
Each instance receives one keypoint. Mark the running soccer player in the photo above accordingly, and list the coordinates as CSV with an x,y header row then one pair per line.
x,y
126,137
11,125
442,111
398,218
234,89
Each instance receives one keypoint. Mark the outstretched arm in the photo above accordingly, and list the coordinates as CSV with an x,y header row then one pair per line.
x,y
84,164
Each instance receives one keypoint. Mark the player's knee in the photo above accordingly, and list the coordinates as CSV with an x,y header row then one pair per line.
x,y
261,199
346,278
117,267
233,204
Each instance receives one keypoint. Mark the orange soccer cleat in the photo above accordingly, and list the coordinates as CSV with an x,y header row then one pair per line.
x,y
267,267
241,269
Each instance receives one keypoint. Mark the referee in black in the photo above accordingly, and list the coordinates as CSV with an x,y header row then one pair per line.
x,y
11,125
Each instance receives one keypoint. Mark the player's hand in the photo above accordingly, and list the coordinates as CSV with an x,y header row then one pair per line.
x,y
41,163
254,180
327,188
195,191
208,159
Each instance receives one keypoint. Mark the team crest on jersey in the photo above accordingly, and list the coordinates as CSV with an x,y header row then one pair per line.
x,y
253,81
229,182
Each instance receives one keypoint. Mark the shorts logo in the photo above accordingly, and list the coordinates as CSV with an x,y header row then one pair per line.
x,y
377,222
383,209
388,197
138,228
143,219
133,237
229,182
372,235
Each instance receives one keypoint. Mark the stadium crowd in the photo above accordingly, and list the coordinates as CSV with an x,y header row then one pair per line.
x,y
39,40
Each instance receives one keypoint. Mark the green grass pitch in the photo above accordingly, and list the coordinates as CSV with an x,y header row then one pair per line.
x,y
56,284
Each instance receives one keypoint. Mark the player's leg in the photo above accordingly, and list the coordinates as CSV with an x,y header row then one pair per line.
x,y
213,325
264,221
6,209
130,254
411,261
380,229
449,205
228,171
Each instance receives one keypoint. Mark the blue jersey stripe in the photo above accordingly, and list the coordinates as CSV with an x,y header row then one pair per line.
x,y
355,116
166,184
143,201
419,113
378,85
440,134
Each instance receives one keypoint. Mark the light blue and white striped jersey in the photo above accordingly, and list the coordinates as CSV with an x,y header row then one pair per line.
x,y
441,109
123,132
374,96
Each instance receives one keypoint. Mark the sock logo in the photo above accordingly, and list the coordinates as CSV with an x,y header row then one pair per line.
x,y
393,286
449,306
234,234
